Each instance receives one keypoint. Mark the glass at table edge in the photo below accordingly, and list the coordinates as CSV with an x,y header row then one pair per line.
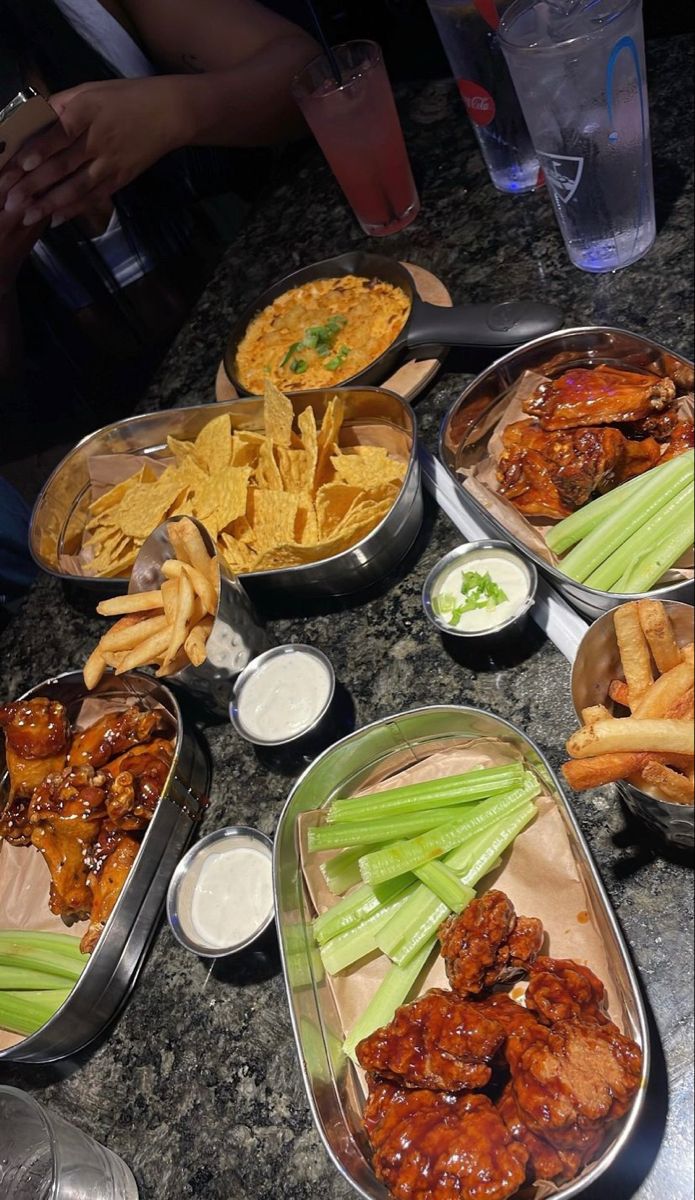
x,y
300,94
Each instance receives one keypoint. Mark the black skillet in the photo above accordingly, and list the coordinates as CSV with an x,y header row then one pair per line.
x,y
429,326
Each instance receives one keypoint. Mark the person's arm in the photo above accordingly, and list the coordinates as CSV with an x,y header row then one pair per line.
x,y
109,133
238,58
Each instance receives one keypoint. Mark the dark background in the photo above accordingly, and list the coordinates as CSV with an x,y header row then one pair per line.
x,y
411,46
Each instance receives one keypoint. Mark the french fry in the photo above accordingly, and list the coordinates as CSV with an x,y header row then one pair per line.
x,y
658,631
619,692
625,734
146,652
196,642
683,708
674,786
177,664
595,712
688,653
183,619
634,651
190,547
94,668
662,694
118,606
583,773
169,592
127,633
173,567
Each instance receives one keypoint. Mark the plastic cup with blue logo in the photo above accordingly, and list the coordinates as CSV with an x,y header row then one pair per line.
x,y
578,68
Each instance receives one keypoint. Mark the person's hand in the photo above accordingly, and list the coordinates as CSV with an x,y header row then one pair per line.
x,y
106,135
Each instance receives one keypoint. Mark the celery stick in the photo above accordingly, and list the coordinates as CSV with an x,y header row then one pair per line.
x,y
342,871
421,917
353,909
649,568
24,979
25,1012
392,992
345,949
575,527
61,965
445,885
404,856
656,532
352,833
638,508
32,939
454,789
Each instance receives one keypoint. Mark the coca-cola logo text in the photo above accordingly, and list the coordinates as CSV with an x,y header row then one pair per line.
x,y
478,101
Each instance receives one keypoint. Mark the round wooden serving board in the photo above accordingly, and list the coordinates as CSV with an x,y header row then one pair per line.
x,y
410,379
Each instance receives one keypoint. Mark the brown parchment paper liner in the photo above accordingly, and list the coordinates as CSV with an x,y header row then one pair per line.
x,y
539,874
106,470
480,479
25,878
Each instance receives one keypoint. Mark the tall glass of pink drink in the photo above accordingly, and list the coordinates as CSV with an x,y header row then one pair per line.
x,y
356,124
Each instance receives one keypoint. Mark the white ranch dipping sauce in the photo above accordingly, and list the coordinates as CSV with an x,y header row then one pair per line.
x,y
504,570
283,696
232,896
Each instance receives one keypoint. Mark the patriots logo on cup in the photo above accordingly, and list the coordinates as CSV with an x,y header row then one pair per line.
x,y
563,172
478,102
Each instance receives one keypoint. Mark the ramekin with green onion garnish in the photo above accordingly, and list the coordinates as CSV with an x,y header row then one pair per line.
x,y
478,589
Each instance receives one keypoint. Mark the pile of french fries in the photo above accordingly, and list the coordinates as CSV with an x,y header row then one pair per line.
x,y
167,628
652,748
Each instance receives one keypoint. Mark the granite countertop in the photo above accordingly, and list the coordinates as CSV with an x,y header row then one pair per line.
x,y
197,1085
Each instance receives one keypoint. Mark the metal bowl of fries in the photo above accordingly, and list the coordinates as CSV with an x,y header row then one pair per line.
x,y
632,689
184,614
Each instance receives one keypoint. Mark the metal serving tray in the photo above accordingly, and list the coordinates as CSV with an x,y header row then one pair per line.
x,y
113,967
472,418
60,510
375,752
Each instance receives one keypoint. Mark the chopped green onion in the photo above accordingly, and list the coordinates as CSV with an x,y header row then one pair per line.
x,y
391,993
477,784
403,856
352,833
299,365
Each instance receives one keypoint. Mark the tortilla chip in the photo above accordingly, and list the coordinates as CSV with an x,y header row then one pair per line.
x,y
245,448
213,445
333,503
267,472
367,470
306,526
294,469
223,496
310,442
278,415
272,516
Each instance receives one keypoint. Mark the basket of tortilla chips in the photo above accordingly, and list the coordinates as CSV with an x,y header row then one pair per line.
x,y
306,491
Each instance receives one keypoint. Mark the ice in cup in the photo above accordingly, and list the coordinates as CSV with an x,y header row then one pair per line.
x,y
356,124
579,72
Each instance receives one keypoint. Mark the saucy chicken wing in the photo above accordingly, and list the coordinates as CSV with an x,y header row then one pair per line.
x,y
553,474
544,1160
136,782
36,741
114,734
438,1042
438,1146
598,396
112,857
571,1079
561,988
487,943
65,815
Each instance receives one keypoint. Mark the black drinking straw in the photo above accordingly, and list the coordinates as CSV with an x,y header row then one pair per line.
x,y
332,60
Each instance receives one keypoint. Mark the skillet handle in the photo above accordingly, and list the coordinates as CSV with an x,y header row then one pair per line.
x,y
510,323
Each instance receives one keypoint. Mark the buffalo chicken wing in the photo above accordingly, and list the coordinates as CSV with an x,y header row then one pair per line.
x,y
598,396
37,735
487,943
65,815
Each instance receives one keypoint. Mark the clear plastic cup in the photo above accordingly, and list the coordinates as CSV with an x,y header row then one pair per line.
x,y
356,124
43,1157
579,72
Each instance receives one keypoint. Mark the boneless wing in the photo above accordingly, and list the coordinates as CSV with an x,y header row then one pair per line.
x,y
560,988
487,943
438,1146
438,1042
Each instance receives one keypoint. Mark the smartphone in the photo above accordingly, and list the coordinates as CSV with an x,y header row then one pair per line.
x,y
25,116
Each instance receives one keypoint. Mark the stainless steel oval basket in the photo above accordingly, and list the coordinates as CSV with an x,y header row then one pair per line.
x,y
372,754
472,418
381,416
113,966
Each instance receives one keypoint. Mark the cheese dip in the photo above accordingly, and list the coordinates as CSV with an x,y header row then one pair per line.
x,y
481,590
282,694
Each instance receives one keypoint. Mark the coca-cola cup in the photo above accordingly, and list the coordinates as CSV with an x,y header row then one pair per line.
x,y
468,29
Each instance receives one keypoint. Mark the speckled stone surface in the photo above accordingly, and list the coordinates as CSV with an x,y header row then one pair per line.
x,y
197,1085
